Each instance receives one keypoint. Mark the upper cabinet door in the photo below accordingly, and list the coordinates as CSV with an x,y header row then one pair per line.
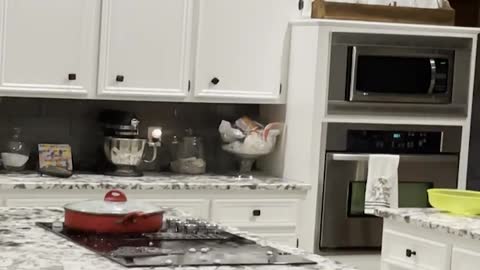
x,y
49,47
242,48
144,49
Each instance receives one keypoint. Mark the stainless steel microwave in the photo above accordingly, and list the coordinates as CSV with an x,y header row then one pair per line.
x,y
397,72
389,74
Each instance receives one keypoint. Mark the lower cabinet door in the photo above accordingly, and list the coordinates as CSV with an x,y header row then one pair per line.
x,y
464,259
403,251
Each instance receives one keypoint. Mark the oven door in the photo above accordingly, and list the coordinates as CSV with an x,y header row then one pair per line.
x,y
344,224
400,75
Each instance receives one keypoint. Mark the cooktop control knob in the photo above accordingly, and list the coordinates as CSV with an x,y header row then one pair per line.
x,y
204,250
168,261
192,250
180,228
191,228
269,253
217,261
211,228
171,221
202,225
193,220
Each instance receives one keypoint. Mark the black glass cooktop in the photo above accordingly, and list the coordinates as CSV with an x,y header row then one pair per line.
x,y
175,248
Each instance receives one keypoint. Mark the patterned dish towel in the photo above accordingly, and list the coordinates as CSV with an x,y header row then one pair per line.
x,y
382,182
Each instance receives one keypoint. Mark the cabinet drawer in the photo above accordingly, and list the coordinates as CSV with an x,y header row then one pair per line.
x,y
197,208
413,252
242,212
463,259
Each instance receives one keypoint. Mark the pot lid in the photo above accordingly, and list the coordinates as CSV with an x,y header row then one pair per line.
x,y
114,203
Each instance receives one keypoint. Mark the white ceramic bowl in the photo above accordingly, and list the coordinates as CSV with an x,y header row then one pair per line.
x,y
14,160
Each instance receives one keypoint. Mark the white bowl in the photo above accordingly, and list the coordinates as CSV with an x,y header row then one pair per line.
x,y
14,160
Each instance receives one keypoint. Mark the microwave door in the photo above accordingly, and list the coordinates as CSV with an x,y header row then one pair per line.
x,y
394,75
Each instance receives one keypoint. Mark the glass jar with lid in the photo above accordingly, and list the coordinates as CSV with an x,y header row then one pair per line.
x,y
16,152
188,154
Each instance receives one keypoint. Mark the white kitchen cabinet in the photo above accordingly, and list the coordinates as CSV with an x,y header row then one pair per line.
x,y
144,49
464,259
272,219
241,212
242,49
413,247
49,47
404,251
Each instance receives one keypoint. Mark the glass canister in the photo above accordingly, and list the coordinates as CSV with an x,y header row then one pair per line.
x,y
16,153
188,154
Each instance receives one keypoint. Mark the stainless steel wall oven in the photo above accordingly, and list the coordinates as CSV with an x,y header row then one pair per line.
x,y
429,158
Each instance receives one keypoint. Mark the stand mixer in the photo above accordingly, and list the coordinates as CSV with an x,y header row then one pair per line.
x,y
122,146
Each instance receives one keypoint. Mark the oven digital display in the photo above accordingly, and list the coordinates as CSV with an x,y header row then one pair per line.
x,y
394,141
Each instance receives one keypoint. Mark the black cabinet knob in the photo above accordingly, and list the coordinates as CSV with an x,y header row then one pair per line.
x,y
409,253
120,78
215,81
301,4
72,77
256,213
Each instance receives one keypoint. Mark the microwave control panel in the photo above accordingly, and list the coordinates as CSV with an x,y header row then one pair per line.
x,y
394,142
441,77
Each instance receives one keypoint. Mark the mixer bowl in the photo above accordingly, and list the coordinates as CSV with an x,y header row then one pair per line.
x,y
123,151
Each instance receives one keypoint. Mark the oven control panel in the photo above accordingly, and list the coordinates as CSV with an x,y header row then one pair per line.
x,y
389,141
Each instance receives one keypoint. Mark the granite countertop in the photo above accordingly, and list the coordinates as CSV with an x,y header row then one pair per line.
x,y
159,181
24,246
434,219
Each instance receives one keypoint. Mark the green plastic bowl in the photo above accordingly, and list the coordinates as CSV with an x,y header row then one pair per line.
x,y
462,202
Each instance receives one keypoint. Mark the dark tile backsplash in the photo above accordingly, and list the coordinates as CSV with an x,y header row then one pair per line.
x,y
75,122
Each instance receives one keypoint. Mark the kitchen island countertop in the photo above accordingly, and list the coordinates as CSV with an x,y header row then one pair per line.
x,y
24,246
434,219
156,181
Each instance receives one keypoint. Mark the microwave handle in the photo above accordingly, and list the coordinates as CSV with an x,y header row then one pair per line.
x,y
405,158
353,76
433,76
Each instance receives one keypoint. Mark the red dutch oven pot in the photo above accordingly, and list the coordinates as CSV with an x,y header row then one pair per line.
x,y
113,215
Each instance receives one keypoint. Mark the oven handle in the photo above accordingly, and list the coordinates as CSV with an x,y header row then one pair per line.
x,y
433,74
405,158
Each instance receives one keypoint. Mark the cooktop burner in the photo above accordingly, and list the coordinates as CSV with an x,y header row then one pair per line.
x,y
182,243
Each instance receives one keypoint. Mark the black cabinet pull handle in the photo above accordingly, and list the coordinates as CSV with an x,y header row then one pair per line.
x,y
256,213
215,81
301,4
120,78
72,77
409,253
